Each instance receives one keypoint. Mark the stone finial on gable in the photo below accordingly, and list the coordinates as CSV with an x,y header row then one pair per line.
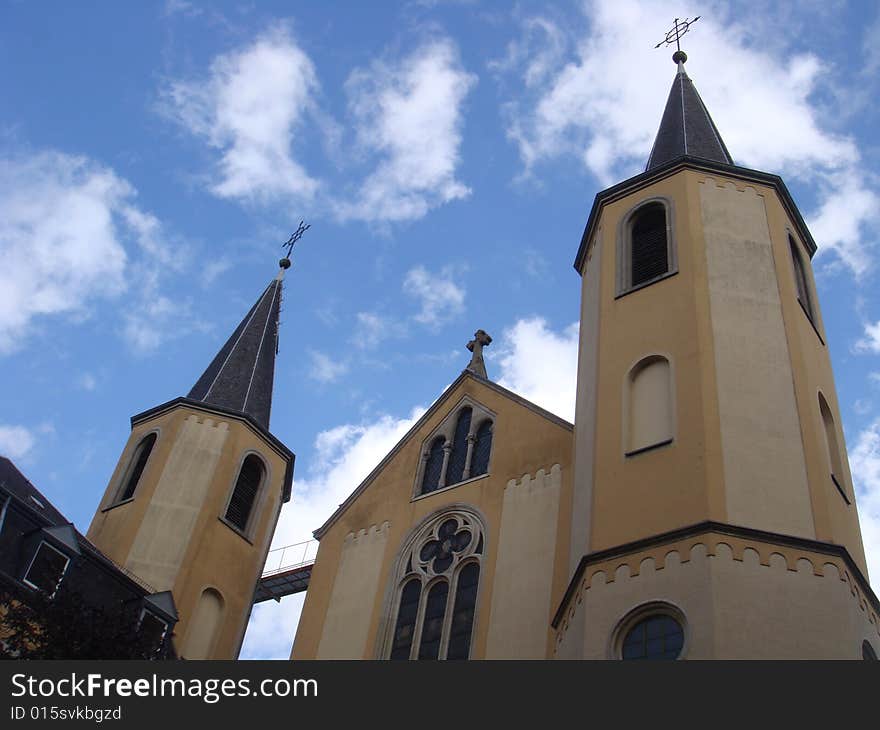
x,y
477,365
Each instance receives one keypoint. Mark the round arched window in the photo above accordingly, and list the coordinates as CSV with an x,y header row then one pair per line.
x,y
657,636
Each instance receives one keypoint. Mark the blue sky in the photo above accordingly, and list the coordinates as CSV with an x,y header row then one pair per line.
x,y
154,156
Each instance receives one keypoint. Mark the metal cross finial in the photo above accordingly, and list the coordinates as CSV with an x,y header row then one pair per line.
x,y
294,237
679,28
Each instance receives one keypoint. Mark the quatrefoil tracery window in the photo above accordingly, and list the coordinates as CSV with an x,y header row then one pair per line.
x,y
459,450
437,590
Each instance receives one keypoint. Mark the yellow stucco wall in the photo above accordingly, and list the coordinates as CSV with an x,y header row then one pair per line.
x,y
524,442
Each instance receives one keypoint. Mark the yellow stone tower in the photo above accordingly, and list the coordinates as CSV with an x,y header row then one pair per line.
x,y
194,500
713,513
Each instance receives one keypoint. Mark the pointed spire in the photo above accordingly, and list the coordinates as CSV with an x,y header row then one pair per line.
x,y
686,127
477,365
242,374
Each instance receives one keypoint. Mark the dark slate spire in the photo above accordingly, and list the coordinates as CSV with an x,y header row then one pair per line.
x,y
686,127
240,377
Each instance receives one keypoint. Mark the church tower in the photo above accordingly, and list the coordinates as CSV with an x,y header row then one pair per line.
x,y
713,511
194,500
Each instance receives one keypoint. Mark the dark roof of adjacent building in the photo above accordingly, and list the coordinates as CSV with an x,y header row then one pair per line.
x,y
686,128
17,484
241,376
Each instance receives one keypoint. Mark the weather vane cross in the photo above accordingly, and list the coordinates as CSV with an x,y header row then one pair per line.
x,y
679,28
294,237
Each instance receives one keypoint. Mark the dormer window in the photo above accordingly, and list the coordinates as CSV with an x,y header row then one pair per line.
x,y
47,569
152,629
458,450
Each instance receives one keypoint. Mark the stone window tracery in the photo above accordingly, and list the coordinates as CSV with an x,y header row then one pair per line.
x,y
436,595
458,450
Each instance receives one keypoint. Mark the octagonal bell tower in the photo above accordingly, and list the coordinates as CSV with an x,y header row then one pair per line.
x,y
712,489
194,500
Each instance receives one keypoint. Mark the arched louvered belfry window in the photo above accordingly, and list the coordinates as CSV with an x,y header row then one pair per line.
x,y
800,278
136,467
244,494
482,449
437,583
648,245
458,457
433,465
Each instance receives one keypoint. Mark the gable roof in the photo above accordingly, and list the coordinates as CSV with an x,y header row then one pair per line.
x,y
436,406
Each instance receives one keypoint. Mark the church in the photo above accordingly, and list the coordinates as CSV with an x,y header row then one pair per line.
x,y
701,505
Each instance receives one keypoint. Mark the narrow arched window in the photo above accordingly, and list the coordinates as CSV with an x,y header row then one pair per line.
x,y
462,623
407,614
244,495
800,278
648,249
458,457
136,467
482,449
832,448
433,465
650,407
205,627
432,625
438,575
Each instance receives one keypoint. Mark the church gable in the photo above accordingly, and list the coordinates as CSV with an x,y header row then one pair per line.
x,y
475,429
490,469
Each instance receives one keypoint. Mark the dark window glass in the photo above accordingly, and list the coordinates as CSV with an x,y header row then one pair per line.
x,y
245,493
432,628
800,277
656,637
868,652
47,568
136,468
482,448
463,612
153,630
406,620
455,469
433,466
648,244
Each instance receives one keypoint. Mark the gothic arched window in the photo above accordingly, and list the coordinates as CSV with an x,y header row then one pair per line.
x,y
437,583
244,495
458,457
433,465
136,467
482,448
458,450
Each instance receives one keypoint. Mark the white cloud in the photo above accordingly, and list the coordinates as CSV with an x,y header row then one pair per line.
x,y
345,456
864,459
15,441
440,297
250,109
324,369
64,225
540,364
372,329
409,115
603,103
87,381
870,342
